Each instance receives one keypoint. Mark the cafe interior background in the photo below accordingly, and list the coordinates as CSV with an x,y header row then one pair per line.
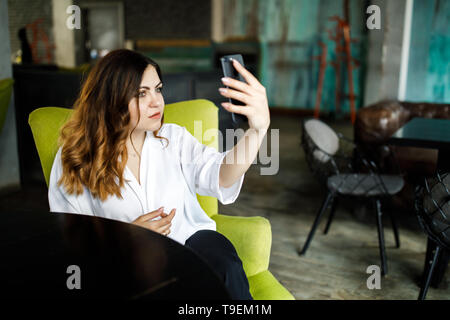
x,y
362,68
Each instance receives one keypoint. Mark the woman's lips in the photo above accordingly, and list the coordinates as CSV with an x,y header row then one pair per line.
x,y
156,116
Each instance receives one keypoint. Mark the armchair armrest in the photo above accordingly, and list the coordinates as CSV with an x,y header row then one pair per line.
x,y
252,238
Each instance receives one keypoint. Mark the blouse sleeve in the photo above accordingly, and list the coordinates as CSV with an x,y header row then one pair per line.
x,y
201,166
58,199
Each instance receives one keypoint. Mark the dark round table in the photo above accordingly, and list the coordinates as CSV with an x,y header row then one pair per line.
x,y
115,260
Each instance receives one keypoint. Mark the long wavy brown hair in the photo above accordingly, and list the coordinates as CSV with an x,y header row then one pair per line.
x,y
93,140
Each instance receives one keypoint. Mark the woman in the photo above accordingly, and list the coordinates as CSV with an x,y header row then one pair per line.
x,y
119,160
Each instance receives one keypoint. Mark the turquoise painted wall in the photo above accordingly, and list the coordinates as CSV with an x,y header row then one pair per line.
x,y
429,59
289,32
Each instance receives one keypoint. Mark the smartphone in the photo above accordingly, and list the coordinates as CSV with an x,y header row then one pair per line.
x,y
230,72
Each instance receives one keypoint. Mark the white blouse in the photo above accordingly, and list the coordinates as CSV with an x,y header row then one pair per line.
x,y
170,176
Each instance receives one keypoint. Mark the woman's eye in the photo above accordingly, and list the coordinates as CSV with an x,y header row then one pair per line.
x,y
143,93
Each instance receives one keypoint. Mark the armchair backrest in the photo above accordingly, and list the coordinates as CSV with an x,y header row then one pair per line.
x,y
196,115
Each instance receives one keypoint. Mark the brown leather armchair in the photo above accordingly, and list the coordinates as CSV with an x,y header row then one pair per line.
x,y
376,123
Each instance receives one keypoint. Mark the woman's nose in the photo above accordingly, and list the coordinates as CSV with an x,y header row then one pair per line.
x,y
153,101
154,104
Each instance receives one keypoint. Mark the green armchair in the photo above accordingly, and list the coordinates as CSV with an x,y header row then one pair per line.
x,y
252,247
6,86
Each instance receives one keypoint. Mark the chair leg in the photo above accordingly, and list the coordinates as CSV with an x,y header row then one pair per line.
x,y
395,229
427,279
379,216
440,268
325,203
331,216
431,248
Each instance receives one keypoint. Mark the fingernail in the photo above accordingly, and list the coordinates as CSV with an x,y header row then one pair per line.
x,y
222,90
226,80
161,209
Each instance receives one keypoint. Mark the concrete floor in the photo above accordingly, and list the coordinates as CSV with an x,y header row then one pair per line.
x,y
335,265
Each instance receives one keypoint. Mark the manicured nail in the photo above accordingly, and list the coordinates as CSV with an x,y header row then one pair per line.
x,y
225,80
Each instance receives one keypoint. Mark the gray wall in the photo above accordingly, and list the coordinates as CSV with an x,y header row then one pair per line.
x,y
144,19
23,12
9,160
163,19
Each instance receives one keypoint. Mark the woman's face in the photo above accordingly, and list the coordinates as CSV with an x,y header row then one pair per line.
x,y
151,102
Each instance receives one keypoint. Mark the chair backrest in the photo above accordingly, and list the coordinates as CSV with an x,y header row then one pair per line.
x,y
319,142
196,115
6,86
433,208
324,137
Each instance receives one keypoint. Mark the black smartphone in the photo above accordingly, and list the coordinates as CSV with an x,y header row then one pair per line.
x,y
230,72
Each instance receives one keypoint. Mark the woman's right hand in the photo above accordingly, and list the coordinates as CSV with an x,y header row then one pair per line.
x,y
161,226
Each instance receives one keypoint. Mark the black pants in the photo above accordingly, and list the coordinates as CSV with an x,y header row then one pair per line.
x,y
222,257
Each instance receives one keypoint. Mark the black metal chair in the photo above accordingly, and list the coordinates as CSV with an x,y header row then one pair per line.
x,y
345,171
433,211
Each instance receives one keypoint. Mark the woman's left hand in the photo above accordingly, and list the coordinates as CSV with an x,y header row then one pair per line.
x,y
252,94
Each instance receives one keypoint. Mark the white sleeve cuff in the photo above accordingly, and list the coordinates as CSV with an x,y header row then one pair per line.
x,y
230,194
